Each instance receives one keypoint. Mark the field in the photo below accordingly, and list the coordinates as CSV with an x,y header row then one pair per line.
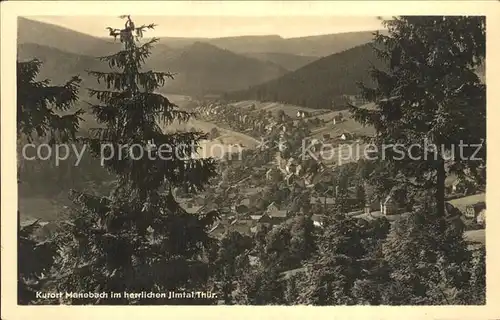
x,y
462,203
275,107
475,236
349,125
39,208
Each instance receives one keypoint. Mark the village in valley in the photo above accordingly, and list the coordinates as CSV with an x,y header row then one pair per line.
x,y
270,183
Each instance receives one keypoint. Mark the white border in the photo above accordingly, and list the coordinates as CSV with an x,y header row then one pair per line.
x,y
9,12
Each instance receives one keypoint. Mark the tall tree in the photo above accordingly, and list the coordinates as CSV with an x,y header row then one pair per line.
x,y
138,238
41,106
331,273
428,259
40,114
429,94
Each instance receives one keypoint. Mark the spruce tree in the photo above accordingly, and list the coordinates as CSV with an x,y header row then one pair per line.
x,y
43,110
138,239
429,93
42,114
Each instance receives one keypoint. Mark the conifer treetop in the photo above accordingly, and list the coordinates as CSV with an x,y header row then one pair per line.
x,y
134,113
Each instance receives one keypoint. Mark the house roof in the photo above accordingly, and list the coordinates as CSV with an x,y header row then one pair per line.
x,y
321,200
481,215
272,205
290,273
29,222
464,202
278,214
218,226
475,236
390,196
193,209
274,211
317,217
264,216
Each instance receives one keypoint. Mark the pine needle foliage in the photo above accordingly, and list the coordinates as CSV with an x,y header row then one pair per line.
x,y
137,239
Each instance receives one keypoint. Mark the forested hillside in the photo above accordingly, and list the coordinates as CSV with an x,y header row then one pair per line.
x,y
288,61
317,84
206,69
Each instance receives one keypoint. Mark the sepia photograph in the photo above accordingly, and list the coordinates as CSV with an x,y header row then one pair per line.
x,y
272,160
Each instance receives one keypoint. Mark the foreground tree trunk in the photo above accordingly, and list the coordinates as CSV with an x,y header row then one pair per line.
x,y
440,188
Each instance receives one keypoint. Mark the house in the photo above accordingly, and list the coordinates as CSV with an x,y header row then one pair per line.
x,y
269,174
286,275
190,208
355,100
481,218
470,206
337,119
473,210
272,208
367,209
311,179
451,211
324,201
345,136
265,218
301,114
291,166
290,179
218,230
255,217
260,170
274,213
318,220
280,163
389,205
262,218
241,226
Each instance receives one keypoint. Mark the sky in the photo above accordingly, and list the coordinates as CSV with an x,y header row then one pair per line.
x,y
221,26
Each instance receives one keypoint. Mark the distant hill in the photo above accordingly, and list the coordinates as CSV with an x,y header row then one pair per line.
x,y
291,62
201,68
325,45
58,65
49,35
315,46
317,84
31,31
206,69
35,32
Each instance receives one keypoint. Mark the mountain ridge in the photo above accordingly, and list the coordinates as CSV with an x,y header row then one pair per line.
x,y
32,31
318,84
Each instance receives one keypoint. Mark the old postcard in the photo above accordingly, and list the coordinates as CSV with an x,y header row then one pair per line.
x,y
297,154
